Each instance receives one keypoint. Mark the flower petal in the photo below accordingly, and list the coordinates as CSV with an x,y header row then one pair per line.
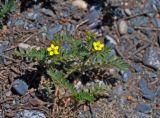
x,y
52,46
56,52
49,49
51,53
56,47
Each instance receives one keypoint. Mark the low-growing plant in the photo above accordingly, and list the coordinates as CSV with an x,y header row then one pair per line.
x,y
7,6
67,55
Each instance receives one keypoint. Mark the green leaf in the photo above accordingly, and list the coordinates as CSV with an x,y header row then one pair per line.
x,y
84,96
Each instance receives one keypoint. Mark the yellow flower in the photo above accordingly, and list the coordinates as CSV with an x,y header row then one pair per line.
x,y
97,45
53,50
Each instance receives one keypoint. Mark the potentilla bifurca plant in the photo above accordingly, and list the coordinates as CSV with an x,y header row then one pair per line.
x,y
66,55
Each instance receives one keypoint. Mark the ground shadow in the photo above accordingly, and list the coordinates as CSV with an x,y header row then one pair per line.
x,y
25,4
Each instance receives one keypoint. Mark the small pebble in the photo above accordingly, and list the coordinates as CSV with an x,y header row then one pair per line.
x,y
128,12
47,12
20,87
139,21
137,67
30,114
126,75
24,46
144,108
123,27
158,92
110,41
147,93
80,4
151,58
54,29
118,90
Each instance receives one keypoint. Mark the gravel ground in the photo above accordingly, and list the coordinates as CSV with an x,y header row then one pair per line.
x,y
131,27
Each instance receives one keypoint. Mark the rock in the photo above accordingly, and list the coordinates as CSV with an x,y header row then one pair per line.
x,y
130,30
19,86
158,92
128,12
78,86
93,15
148,33
156,22
1,48
137,115
144,108
47,12
30,114
95,24
151,58
139,21
136,10
34,15
54,29
158,114
118,90
150,9
80,4
86,114
152,76
123,27
137,67
125,75
70,28
146,92
24,46
109,41
19,22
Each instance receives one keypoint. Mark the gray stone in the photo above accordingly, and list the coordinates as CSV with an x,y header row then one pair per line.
x,y
137,115
146,92
139,21
24,46
151,58
125,75
54,29
19,86
70,28
110,41
137,67
156,22
35,15
86,114
47,12
123,27
144,108
118,90
19,22
93,14
130,30
158,114
158,92
95,24
30,114
128,11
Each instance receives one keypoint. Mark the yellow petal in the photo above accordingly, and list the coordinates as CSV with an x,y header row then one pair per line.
x,y
94,44
102,45
51,53
56,52
56,47
52,46
49,49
